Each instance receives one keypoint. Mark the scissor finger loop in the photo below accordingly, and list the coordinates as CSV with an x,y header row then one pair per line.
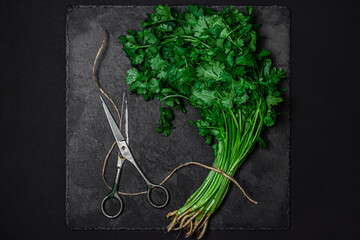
x,y
153,187
112,195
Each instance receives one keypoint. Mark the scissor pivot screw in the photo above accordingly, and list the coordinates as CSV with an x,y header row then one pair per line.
x,y
123,147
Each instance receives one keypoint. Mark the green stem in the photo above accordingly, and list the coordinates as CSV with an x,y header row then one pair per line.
x,y
188,38
167,20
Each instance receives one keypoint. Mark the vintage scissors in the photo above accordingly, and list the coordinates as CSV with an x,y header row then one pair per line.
x,y
123,145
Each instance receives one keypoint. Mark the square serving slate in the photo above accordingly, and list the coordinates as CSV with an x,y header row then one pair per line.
x,y
264,175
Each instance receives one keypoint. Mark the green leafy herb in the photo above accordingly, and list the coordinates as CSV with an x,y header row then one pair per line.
x,y
210,61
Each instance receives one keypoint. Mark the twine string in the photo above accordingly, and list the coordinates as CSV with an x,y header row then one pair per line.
x,y
114,143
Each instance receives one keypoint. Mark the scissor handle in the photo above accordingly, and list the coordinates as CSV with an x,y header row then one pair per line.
x,y
152,187
112,194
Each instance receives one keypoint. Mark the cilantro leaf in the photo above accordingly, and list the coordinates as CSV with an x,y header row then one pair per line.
x,y
157,63
194,10
163,11
273,101
131,76
206,96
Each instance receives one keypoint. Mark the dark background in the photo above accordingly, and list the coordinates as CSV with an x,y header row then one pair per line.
x,y
324,122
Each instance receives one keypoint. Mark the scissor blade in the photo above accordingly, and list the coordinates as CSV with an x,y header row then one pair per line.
x,y
126,122
114,128
121,160
122,111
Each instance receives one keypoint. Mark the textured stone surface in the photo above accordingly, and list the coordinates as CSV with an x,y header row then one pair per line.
x,y
264,175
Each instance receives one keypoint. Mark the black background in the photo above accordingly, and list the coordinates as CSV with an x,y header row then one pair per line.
x,y
324,122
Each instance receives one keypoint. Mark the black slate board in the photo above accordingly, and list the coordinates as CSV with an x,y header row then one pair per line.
x,y
264,175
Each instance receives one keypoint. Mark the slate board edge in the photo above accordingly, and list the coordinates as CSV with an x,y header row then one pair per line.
x,y
66,119
69,9
289,127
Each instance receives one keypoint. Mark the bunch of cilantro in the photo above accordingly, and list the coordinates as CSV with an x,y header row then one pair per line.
x,y
209,60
